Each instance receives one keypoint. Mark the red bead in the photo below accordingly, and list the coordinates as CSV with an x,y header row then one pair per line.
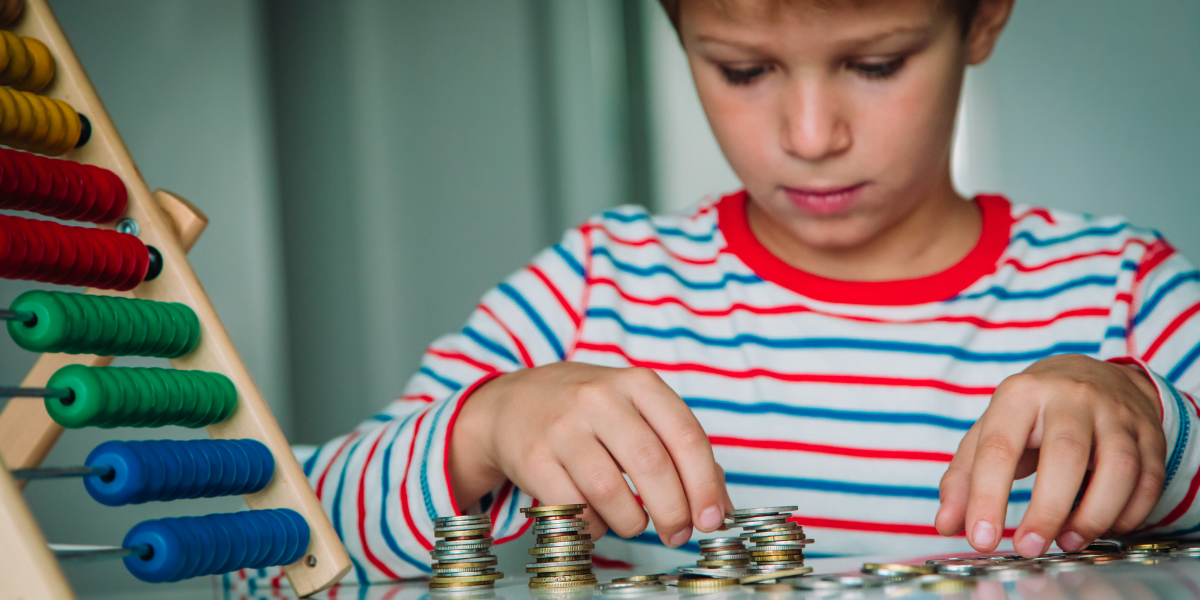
x,y
60,188
83,256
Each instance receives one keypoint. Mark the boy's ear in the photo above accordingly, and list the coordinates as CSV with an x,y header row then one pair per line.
x,y
989,21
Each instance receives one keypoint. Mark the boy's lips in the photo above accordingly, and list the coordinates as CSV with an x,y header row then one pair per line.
x,y
824,201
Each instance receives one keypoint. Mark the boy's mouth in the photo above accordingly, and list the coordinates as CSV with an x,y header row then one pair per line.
x,y
824,201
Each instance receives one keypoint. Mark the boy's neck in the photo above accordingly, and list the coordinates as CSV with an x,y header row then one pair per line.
x,y
938,234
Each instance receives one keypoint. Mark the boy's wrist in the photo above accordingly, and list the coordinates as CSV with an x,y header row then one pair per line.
x,y
472,470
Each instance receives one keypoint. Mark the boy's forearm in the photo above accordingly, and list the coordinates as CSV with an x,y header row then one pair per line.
x,y
472,472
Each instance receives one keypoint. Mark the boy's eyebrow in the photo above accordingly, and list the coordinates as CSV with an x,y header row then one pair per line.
x,y
913,31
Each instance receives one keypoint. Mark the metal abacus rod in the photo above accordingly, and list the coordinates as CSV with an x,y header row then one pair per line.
x,y
20,316
21,392
61,472
90,553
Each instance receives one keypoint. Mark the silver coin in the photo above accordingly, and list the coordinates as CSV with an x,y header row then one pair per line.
x,y
456,528
486,540
630,588
565,563
721,541
459,520
745,512
719,572
457,556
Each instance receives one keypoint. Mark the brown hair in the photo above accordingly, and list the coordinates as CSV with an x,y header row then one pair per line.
x,y
964,9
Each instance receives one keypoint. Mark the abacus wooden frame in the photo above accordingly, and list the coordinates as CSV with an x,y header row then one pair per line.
x,y
26,431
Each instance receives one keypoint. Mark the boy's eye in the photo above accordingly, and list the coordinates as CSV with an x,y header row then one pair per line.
x,y
877,70
743,76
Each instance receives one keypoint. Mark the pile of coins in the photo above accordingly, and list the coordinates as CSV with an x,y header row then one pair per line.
x,y
777,543
720,557
563,552
462,555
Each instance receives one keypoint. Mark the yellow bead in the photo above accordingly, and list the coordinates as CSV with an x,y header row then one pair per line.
x,y
25,124
18,59
41,68
74,126
58,127
41,121
8,114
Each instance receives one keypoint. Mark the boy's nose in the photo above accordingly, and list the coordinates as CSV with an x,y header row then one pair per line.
x,y
813,127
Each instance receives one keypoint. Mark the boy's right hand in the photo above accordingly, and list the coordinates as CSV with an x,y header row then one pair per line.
x,y
565,432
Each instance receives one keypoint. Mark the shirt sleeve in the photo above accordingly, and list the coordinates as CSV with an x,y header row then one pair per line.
x,y
1165,341
385,482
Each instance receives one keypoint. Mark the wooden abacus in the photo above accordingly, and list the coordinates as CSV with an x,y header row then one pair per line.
x,y
50,107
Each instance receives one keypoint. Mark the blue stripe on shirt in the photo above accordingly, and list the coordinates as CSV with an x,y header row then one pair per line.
x,y
664,270
533,315
425,492
1181,437
1184,364
829,413
848,344
668,231
489,345
446,381
1161,293
383,505
1093,232
847,487
1005,294
337,514
570,260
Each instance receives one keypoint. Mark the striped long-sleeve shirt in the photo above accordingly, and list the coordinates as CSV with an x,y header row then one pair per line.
x,y
845,398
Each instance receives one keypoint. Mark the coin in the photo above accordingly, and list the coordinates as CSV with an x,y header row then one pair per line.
x,y
697,583
640,578
1152,547
630,588
552,510
776,575
560,578
470,579
749,512
723,563
562,584
898,569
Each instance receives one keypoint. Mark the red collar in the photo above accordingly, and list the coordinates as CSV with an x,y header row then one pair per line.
x,y
981,261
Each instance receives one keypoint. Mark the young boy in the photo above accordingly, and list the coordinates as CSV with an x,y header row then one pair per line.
x,y
847,334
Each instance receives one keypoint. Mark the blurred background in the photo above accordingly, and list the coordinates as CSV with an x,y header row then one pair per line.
x,y
371,167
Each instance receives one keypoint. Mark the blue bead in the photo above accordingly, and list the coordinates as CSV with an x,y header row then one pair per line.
x,y
165,450
229,473
156,473
168,552
129,474
235,540
192,549
272,534
256,550
220,546
302,527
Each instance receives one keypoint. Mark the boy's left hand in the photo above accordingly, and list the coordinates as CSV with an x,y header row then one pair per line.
x,y
1061,417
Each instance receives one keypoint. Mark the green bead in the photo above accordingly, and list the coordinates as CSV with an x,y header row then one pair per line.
x,y
89,403
205,403
193,324
52,325
229,396
125,330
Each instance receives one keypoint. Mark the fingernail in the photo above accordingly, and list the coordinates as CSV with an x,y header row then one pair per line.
x,y
711,518
983,535
680,538
1070,541
1031,545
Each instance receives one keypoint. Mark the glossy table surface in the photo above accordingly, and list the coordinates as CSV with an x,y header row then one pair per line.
x,y
1176,578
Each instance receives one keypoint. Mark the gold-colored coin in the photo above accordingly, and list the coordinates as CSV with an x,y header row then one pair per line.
x,y
549,539
467,579
948,586
466,565
553,510
562,584
741,562
475,584
463,533
783,574
706,583
1152,547
873,568
563,578
638,578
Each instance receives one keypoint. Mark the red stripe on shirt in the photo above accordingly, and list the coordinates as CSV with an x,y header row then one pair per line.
x,y
871,527
321,480
1156,253
1036,212
1176,323
1099,311
562,300
648,242
1075,257
734,442
459,356
520,531
408,520
418,398
525,358
362,513
792,377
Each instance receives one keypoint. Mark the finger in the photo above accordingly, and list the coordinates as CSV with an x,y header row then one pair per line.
x,y
688,446
550,483
1118,467
955,487
1003,432
1149,485
643,457
1065,450
593,471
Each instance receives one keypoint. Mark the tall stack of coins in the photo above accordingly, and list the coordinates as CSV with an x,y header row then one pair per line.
x,y
563,552
463,554
777,543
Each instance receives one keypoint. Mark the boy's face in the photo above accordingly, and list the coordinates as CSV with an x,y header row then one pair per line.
x,y
838,120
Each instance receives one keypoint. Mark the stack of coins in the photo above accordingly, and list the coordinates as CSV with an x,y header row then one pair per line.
x,y
463,554
563,552
777,543
721,557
